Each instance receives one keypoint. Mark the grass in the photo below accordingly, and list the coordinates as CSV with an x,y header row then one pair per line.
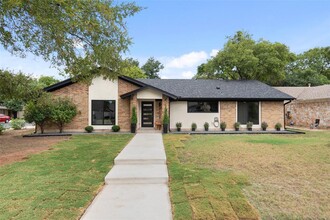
x,y
58,184
241,176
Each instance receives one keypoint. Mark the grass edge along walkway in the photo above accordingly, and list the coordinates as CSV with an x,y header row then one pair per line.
x,y
60,183
200,193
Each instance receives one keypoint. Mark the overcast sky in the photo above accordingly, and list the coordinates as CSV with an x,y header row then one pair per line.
x,y
182,34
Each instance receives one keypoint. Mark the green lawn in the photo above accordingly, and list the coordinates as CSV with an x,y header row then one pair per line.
x,y
249,176
60,183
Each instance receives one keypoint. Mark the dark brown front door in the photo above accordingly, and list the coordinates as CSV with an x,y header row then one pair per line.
x,y
147,114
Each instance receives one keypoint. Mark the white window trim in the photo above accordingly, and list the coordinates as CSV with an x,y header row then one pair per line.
x,y
254,125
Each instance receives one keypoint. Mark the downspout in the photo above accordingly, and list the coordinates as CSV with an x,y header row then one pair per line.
x,y
284,111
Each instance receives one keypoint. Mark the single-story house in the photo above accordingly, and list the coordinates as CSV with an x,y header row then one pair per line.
x,y
104,103
311,106
4,110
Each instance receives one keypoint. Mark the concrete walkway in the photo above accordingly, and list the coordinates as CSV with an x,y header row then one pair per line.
x,y
137,186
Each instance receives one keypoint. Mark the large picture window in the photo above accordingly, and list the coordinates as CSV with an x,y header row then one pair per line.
x,y
103,112
203,107
248,111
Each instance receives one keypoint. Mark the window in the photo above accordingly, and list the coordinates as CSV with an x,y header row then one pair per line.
x,y
248,111
203,107
103,112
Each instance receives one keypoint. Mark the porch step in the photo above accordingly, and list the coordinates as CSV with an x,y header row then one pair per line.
x,y
136,174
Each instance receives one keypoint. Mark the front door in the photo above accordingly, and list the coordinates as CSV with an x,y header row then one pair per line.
x,y
147,114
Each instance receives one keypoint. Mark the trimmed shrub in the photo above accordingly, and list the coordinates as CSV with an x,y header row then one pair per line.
x,y
134,117
264,126
89,129
17,124
115,128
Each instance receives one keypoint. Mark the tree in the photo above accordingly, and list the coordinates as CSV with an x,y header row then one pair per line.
x,y
14,105
305,78
17,86
62,112
132,69
17,89
244,58
151,68
86,37
45,81
310,67
39,111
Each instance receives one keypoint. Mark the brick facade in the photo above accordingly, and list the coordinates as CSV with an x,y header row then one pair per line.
x,y
124,105
78,93
228,113
304,113
272,112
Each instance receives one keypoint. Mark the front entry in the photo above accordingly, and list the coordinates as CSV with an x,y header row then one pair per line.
x,y
147,114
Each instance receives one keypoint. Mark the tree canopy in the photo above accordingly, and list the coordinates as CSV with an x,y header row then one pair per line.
x,y
152,67
245,58
311,67
87,38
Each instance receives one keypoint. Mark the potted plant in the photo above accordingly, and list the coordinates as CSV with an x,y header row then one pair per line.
x,y
133,120
166,121
193,126
236,126
249,125
206,126
264,126
278,126
178,126
223,126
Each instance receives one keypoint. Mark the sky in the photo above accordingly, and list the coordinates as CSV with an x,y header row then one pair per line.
x,y
183,34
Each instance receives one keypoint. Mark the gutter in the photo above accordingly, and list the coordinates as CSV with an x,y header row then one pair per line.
x,y
284,111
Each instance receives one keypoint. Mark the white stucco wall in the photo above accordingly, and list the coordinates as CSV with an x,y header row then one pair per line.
x,y
179,113
101,89
149,94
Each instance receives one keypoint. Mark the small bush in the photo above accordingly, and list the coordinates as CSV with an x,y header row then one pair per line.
x,y
206,126
236,125
2,129
223,125
278,126
89,129
264,125
115,128
193,126
17,124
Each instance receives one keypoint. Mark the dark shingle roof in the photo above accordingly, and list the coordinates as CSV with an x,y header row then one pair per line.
x,y
217,89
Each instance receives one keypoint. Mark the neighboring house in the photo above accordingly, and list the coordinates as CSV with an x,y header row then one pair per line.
x,y
312,104
5,111
105,103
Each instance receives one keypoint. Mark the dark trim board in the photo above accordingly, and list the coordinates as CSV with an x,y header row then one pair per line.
x,y
59,85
